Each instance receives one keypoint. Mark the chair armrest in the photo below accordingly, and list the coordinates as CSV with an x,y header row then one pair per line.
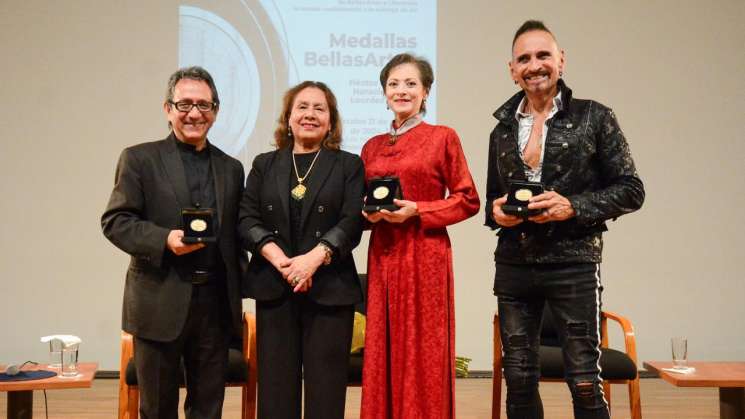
x,y
496,396
249,341
127,353
628,333
497,342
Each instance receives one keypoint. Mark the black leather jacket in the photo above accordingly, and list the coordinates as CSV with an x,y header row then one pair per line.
x,y
586,159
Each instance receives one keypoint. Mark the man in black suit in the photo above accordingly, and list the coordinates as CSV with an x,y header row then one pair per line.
x,y
181,301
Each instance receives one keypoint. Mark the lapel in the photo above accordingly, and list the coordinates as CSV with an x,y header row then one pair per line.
x,y
561,121
174,169
282,175
218,173
512,166
315,180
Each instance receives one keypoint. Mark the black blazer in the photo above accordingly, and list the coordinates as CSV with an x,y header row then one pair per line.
x,y
331,212
149,192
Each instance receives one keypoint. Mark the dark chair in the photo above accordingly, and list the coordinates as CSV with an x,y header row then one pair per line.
x,y
618,367
355,360
241,373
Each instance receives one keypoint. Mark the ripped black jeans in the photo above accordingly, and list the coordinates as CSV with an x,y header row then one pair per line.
x,y
572,292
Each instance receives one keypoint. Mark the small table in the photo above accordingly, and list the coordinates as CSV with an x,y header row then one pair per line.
x,y
21,393
729,377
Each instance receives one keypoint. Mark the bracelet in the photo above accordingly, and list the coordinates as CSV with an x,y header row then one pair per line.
x,y
327,250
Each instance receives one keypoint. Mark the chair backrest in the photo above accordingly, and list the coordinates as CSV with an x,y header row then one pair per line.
x,y
549,335
361,307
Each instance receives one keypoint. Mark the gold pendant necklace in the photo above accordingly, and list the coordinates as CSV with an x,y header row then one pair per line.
x,y
298,192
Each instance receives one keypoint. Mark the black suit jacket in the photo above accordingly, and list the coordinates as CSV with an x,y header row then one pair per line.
x,y
331,212
149,192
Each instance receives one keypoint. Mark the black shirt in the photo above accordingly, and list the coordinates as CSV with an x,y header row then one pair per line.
x,y
303,162
201,185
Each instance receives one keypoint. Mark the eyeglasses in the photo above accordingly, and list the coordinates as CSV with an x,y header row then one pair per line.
x,y
185,106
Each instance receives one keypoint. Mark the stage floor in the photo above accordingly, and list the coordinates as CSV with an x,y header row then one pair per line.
x,y
473,401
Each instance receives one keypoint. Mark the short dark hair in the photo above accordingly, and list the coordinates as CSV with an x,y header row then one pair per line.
x,y
425,71
281,134
531,25
192,73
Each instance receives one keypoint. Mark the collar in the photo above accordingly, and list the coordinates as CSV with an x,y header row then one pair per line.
x,y
506,113
190,148
519,114
408,124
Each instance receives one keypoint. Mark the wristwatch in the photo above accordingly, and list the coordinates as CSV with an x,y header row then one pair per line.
x,y
327,250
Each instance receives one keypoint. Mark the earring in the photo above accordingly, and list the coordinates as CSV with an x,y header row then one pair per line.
x,y
289,133
387,107
561,74
515,81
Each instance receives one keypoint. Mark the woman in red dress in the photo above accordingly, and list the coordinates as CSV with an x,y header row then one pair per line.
x,y
409,362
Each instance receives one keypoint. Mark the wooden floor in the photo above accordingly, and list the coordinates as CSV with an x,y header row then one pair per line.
x,y
660,400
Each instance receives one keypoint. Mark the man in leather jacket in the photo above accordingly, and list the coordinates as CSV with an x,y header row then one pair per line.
x,y
577,151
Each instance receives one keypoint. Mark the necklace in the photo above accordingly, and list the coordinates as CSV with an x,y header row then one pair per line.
x,y
298,192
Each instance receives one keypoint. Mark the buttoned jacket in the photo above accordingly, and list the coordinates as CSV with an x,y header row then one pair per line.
x,y
149,192
586,159
331,212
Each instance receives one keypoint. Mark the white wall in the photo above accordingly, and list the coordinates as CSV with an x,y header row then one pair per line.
x,y
83,79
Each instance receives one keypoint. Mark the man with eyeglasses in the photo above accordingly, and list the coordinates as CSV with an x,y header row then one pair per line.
x,y
181,300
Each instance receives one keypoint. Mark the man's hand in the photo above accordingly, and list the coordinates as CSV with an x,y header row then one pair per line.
x,y
555,207
504,220
178,247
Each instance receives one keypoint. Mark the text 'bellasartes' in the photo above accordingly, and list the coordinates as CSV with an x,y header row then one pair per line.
x,y
391,42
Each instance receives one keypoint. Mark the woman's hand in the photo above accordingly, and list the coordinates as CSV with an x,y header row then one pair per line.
x,y
406,210
300,269
372,217
276,256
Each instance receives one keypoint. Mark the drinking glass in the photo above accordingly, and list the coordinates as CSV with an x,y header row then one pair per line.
x,y
55,354
69,361
679,347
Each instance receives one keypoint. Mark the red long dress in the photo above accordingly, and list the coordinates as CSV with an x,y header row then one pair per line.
x,y
409,361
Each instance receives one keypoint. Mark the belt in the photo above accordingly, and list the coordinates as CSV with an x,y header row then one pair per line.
x,y
202,277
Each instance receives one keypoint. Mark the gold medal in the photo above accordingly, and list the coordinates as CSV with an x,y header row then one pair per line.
x,y
198,225
298,192
523,194
380,192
